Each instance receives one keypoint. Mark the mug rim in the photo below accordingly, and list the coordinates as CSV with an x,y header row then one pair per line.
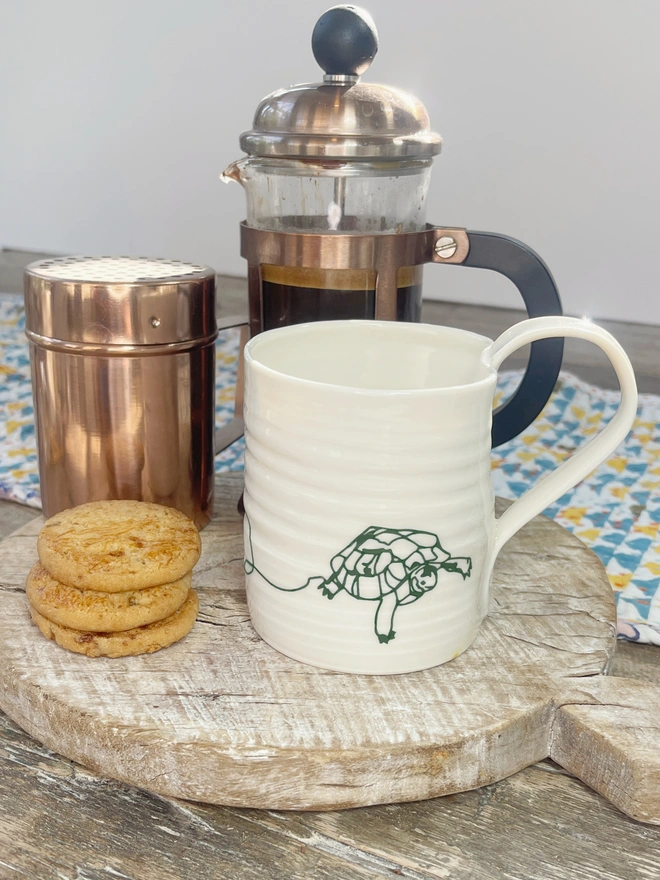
x,y
403,326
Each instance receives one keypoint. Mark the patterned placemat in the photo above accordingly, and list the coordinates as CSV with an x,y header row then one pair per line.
x,y
615,511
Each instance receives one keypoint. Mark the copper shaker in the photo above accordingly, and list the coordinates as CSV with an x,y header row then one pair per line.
x,y
123,372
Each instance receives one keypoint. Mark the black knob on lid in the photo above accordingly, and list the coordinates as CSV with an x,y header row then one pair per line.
x,y
345,41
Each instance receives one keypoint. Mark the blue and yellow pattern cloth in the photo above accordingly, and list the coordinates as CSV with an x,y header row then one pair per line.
x,y
615,511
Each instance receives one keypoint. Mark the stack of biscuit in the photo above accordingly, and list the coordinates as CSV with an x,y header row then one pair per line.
x,y
114,578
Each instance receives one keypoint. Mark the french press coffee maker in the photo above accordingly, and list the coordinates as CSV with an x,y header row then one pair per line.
x,y
336,177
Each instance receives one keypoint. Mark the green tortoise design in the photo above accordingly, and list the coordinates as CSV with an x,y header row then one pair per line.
x,y
392,567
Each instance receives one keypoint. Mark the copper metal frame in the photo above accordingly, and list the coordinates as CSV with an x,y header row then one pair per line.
x,y
383,252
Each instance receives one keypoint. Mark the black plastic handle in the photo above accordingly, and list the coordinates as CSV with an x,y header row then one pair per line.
x,y
529,273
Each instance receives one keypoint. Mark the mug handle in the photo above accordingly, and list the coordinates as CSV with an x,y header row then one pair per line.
x,y
582,462
525,268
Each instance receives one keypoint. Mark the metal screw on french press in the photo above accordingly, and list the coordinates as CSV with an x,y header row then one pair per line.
x,y
445,247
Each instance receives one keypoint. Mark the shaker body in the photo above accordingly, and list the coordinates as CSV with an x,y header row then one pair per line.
x,y
138,427
122,351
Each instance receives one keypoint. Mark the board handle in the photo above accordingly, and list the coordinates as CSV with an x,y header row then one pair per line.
x,y
607,733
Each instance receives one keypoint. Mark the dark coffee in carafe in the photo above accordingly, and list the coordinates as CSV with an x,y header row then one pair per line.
x,y
297,295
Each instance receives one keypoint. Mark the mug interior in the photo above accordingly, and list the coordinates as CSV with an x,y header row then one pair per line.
x,y
374,355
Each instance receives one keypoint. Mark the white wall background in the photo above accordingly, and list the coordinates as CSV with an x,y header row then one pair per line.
x,y
117,117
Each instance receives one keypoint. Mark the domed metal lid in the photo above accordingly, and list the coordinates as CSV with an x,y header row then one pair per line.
x,y
341,118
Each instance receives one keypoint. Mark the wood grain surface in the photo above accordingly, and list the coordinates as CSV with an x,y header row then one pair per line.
x,y
60,821
222,718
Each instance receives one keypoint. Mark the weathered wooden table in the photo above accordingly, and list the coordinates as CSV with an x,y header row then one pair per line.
x,y
60,821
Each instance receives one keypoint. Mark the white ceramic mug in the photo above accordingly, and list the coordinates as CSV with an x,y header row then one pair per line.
x,y
370,534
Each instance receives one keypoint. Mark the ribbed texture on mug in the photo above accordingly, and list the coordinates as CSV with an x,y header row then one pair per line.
x,y
321,469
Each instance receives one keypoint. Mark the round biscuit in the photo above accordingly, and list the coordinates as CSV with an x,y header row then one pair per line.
x,y
141,640
94,611
118,546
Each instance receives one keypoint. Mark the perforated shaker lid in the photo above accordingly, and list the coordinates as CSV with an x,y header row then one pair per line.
x,y
119,301
342,118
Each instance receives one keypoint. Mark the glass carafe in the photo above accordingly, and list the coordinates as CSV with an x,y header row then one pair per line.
x,y
336,177
333,196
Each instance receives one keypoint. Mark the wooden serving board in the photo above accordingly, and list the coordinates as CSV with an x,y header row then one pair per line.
x,y
223,718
